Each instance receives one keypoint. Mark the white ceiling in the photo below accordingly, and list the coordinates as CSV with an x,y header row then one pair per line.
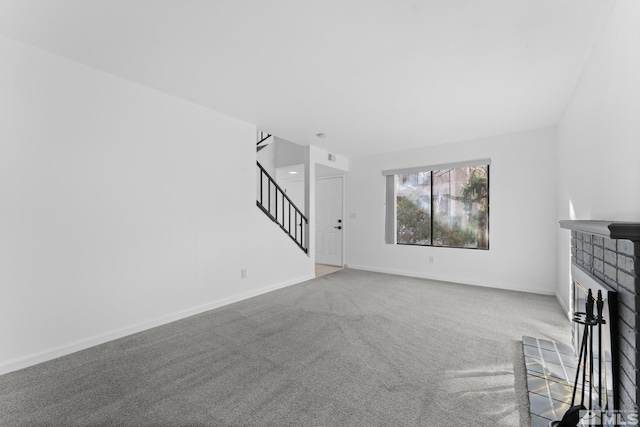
x,y
373,75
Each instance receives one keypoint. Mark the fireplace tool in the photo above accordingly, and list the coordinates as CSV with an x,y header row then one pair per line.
x,y
585,361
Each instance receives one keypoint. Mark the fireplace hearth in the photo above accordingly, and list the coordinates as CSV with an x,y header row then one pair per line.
x,y
550,368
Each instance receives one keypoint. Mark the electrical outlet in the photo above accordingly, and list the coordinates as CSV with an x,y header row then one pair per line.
x,y
243,273
432,259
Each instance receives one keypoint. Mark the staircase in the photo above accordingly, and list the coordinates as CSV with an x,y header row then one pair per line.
x,y
263,140
275,203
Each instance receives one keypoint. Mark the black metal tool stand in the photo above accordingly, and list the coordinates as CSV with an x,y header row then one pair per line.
x,y
585,362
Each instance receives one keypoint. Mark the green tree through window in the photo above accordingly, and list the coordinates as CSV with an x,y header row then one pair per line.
x,y
448,207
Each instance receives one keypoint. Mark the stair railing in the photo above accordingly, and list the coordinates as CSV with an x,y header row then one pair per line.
x,y
275,203
263,137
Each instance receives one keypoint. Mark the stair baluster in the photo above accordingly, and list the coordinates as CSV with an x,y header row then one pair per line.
x,y
295,231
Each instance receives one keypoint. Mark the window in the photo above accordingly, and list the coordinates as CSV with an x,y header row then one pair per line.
x,y
446,205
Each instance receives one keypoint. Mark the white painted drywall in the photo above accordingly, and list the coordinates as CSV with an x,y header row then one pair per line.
x,y
267,158
288,153
522,215
599,135
321,157
121,208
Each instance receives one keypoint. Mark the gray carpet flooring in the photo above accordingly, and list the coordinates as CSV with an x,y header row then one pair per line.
x,y
352,348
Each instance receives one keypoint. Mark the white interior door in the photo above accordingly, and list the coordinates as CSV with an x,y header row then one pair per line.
x,y
329,221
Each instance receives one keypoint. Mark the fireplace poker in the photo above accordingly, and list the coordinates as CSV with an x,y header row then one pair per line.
x,y
599,307
590,318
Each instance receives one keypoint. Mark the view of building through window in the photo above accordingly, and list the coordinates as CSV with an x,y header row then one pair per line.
x,y
447,207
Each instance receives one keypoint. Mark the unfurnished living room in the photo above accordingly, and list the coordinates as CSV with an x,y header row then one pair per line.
x,y
328,213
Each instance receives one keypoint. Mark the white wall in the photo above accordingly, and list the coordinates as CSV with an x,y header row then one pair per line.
x,y
522,215
267,158
120,208
288,153
599,135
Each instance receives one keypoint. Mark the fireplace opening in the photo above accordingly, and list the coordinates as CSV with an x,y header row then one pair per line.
x,y
603,355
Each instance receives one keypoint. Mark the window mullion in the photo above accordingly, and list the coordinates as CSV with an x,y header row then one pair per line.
x,y
431,207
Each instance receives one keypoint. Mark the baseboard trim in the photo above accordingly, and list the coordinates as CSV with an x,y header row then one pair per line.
x,y
63,350
565,309
450,279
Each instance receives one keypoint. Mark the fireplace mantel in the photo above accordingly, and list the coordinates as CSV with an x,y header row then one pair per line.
x,y
611,229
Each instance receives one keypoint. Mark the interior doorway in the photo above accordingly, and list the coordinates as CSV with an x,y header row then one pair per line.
x,y
323,269
329,221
